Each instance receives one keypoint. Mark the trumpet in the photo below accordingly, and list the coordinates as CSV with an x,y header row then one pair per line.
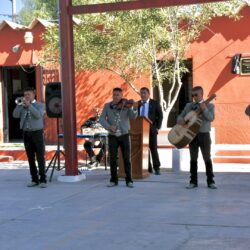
x,y
19,100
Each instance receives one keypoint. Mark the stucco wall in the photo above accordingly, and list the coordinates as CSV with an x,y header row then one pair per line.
x,y
95,89
212,59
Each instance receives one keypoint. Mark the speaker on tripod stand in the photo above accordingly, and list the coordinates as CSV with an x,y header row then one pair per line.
x,y
53,100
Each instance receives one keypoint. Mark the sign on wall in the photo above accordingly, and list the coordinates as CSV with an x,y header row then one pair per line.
x,y
245,66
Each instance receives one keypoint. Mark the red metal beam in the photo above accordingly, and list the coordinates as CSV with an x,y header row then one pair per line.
x,y
68,80
133,5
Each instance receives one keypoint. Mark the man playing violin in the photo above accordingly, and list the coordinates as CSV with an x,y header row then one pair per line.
x,y
202,140
115,118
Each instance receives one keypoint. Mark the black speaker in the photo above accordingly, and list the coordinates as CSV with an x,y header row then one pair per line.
x,y
53,99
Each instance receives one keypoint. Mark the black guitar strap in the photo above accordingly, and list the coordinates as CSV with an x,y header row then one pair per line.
x,y
195,106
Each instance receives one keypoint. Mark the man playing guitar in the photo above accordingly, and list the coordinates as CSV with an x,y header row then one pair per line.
x,y
202,140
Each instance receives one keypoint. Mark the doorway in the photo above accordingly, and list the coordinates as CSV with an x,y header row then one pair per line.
x,y
184,95
15,80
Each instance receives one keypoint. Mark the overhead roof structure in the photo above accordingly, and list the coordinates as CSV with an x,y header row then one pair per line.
x,y
67,10
16,26
45,23
12,25
36,21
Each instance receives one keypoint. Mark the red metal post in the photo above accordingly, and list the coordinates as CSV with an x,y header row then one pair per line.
x,y
68,87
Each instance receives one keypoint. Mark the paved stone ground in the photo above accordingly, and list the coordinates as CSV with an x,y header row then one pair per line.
x,y
159,213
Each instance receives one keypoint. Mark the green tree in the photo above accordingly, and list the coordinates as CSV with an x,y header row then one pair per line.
x,y
134,42
44,9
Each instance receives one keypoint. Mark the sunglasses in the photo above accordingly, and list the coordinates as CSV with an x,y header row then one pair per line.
x,y
193,95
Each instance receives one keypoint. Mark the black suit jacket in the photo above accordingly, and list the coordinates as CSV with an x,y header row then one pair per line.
x,y
155,115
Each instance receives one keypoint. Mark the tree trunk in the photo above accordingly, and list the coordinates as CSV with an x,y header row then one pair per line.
x,y
171,98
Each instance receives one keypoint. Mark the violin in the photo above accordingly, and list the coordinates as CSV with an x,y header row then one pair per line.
x,y
124,104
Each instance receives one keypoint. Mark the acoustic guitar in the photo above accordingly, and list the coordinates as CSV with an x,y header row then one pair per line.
x,y
181,135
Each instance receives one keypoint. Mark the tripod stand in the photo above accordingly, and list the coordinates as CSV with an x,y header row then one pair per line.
x,y
56,157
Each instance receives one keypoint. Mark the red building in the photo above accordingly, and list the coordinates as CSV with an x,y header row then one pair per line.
x,y
210,63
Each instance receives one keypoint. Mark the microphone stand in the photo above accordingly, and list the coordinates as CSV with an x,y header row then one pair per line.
x,y
56,157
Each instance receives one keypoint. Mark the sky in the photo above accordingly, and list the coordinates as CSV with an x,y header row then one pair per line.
x,y
6,8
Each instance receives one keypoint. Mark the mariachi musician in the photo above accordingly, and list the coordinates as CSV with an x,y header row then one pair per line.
x,y
115,118
202,140
97,142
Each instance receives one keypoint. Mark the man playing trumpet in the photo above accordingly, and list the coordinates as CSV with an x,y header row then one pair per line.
x,y
31,115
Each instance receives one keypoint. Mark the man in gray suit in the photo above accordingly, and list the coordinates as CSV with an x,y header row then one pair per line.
x,y
202,140
31,115
115,118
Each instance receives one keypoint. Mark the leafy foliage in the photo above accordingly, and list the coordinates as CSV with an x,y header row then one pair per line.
x,y
45,9
135,39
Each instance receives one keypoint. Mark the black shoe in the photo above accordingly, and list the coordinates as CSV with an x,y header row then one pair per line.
x,y
157,172
33,184
130,184
93,164
191,186
212,186
43,185
112,184
150,170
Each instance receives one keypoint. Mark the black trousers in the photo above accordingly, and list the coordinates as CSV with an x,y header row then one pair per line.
x,y
153,151
88,146
202,141
35,149
123,142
